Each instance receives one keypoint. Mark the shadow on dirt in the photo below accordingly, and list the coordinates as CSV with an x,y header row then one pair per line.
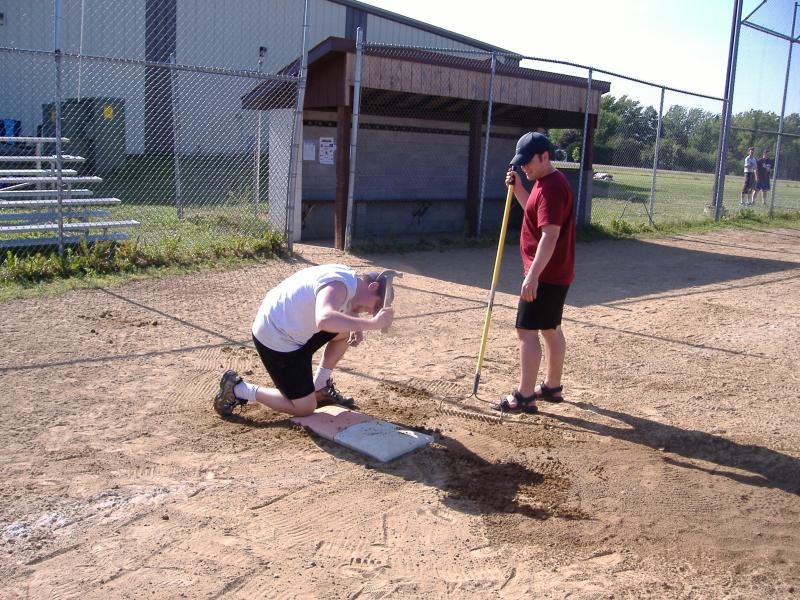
x,y
606,272
472,484
769,468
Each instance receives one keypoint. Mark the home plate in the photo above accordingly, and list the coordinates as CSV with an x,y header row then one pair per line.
x,y
377,439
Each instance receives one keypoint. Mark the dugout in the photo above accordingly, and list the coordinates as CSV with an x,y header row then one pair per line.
x,y
420,139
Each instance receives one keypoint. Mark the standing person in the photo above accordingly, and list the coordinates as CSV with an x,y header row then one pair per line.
x,y
764,166
315,307
547,246
748,187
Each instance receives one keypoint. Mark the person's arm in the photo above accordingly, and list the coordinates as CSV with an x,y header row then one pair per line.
x,y
520,193
544,252
331,298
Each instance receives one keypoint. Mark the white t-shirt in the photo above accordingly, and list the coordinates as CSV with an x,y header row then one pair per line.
x,y
750,164
287,317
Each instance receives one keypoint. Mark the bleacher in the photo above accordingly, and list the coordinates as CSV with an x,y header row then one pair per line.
x,y
30,209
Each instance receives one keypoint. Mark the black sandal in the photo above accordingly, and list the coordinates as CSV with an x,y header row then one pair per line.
x,y
526,404
549,393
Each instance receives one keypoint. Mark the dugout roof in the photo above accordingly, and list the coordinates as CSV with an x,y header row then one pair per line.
x,y
401,82
424,85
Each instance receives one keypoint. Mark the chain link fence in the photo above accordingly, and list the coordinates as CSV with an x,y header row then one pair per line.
x,y
163,139
435,129
765,115
178,137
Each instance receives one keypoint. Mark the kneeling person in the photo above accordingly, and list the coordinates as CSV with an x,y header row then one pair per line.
x,y
315,307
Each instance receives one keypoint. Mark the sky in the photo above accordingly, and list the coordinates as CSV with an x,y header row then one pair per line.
x,y
681,44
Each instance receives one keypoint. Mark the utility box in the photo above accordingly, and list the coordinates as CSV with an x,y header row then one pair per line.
x,y
96,130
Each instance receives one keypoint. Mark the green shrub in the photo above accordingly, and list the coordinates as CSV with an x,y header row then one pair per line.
x,y
130,256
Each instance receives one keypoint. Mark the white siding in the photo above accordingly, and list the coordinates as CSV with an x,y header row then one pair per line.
x,y
209,33
117,32
228,35
29,25
391,32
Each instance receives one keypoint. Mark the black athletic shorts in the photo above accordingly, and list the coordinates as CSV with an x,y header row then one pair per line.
x,y
545,312
291,371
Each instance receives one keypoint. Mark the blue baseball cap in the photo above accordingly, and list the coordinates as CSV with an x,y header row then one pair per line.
x,y
528,146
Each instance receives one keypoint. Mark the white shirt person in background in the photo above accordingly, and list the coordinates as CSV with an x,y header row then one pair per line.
x,y
749,185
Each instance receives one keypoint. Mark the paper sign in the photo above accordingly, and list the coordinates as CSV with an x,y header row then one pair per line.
x,y
327,150
309,150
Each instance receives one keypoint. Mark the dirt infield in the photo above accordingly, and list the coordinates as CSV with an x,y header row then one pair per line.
x,y
671,471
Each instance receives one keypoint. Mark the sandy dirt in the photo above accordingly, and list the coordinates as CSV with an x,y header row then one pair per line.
x,y
671,471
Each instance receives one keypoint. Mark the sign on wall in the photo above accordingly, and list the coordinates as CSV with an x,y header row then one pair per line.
x,y
327,149
309,150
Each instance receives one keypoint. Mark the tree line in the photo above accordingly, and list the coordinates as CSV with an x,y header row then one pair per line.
x,y
626,136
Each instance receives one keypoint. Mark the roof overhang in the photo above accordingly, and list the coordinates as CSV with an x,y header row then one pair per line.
x,y
403,82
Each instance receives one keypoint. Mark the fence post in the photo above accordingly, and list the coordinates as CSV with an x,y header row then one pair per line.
x,y
173,78
351,176
726,121
486,144
262,51
294,153
80,50
655,157
783,114
59,161
579,216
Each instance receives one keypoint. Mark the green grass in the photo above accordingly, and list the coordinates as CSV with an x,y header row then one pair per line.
x,y
28,272
680,197
221,227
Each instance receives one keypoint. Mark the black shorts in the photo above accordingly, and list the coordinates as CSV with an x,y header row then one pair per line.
x,y
545,312
749,182
291,371
763,185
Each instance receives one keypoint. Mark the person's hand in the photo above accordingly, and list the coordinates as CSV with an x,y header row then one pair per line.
x,y
511,177
356,337
529,286
384,317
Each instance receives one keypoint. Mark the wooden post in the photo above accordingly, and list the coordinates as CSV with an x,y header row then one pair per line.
x,y
343,121
474,169
585,201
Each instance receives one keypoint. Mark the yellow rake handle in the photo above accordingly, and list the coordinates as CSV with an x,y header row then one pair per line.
x,y
495,276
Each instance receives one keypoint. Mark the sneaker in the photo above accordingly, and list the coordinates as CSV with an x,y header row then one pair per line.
x,y
330,395
225,400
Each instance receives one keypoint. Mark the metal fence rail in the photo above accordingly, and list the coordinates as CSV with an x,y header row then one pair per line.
x,y
654,151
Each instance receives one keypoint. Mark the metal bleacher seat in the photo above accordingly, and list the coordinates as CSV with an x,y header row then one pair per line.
x,y
43,209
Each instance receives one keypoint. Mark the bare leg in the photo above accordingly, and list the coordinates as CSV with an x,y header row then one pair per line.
x,y
334,350
530,357
555,347
272,398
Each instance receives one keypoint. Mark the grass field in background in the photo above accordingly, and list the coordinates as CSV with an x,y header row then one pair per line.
x,y
679,196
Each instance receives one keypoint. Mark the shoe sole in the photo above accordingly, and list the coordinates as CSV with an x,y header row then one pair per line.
x,y
229,380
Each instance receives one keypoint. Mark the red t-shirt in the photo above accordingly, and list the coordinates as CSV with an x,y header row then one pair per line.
x,y
550,203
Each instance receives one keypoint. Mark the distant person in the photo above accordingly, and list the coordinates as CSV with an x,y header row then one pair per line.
x,y
749,186
315,307
547,246
764,166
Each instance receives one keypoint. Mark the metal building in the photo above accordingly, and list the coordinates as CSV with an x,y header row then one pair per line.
x,y
439,139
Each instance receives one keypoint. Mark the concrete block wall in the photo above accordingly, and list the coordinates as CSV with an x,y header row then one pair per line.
x,y
408,182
